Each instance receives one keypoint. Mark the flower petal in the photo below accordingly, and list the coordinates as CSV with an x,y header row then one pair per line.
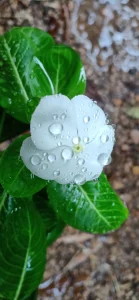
x,y
53,123
89,117
101,147
60,164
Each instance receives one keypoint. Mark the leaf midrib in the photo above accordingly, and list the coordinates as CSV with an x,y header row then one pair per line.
x,y
19,80
96,210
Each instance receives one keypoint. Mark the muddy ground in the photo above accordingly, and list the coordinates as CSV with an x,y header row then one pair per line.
x,y
81,266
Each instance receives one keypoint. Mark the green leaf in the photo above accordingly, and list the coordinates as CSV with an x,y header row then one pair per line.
x,y
22,252
9,127
15,178
93,207
58,71
17,49
133,112
52,224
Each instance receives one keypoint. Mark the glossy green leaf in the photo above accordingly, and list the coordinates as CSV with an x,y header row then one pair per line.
x,y
22,252
60,70
9,127
17,49
15,178
93,207
52,224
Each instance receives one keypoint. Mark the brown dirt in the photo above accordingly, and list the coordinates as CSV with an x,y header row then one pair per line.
x,y
82,266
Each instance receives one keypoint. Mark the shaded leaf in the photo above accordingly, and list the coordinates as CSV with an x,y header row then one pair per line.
x,y
52,224
17,48
9,127
15,178
93,207
22,252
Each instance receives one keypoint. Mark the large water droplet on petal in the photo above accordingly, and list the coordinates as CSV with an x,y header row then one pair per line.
x,y
86,119
104,138
56,173
81,161
103,159
67,154
44,166
35,160
63,116
51,158
76,140
55,128
79,179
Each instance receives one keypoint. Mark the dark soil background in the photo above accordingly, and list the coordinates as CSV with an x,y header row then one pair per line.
x,y
81,266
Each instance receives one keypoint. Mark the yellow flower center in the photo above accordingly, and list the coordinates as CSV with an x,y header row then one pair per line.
x,y
78,148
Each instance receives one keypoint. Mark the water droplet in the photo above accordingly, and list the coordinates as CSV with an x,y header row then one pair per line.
x,y
104,138
56,173
51,158
86,139
103,159
10,101
55,128
81,161
44,166
59,144
39,125
55,116
63,116
84,170
33,128
67,154
76,140
86,119
79,179
35,160
44,154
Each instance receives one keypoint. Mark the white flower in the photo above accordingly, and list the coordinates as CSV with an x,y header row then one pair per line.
x,y
70,140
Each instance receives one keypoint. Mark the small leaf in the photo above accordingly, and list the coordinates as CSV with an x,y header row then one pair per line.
x,y
9,127
22,252
93,207
60,71
15,178
52,224
17,48
133,112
